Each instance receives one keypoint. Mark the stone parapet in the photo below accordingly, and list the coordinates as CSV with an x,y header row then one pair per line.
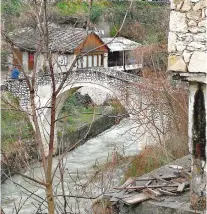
x,y
187,37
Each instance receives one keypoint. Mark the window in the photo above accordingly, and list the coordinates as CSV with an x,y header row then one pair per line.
x,y
100,60
84,61
95,61
90,61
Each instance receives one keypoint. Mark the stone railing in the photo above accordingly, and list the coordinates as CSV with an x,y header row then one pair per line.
x,y
187,36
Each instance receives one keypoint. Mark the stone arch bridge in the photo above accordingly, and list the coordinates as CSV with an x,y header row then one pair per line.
x,y
121,85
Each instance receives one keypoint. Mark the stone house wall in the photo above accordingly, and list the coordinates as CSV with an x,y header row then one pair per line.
x,y
187,36
188,60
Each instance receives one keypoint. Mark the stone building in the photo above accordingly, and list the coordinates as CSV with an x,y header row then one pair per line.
x,y
188,61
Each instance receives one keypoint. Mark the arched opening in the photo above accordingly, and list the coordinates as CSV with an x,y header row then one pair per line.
x,y
199,125
82,116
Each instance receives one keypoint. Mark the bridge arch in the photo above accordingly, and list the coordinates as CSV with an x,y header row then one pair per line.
x,y
64,94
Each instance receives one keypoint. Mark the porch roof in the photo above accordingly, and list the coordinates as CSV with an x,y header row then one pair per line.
x,y
120,44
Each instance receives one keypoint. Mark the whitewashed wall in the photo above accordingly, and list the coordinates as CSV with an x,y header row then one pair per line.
x,y
63,62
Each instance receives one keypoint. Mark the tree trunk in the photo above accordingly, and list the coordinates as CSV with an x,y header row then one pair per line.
x,y
50,198
49,191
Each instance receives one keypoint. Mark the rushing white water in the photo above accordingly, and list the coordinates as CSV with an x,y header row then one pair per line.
x,y
83,158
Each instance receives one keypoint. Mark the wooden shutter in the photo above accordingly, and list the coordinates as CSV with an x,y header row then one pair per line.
x,y
17,58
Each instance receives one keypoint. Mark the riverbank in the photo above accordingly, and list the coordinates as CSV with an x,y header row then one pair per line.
x,y
80,121
18,147
79,164
71,139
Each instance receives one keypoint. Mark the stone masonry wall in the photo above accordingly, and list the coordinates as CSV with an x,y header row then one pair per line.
x,y
188,56
187,37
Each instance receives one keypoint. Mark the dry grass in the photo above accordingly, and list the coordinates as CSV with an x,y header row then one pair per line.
x,y
102,206
149,159
155,156
19,155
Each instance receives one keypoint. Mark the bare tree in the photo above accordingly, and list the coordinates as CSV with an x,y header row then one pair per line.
x,y
163,109
164,105
38,11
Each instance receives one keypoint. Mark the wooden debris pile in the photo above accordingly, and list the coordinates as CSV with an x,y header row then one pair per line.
x,y
174,182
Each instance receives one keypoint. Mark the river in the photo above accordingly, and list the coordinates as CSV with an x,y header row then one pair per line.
x,y
80,164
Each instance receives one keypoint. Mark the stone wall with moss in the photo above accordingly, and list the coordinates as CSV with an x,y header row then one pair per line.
x,y
187,36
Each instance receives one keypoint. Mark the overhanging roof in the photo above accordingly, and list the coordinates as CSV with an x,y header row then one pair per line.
x,y
120,44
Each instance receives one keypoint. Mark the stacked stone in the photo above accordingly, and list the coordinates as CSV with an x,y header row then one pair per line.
x,y
20,90
187,36
188,57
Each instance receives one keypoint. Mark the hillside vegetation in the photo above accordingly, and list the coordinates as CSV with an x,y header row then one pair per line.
x,y
146,22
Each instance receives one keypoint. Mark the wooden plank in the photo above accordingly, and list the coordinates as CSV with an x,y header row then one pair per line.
x,y
113,199
155,178
121,194
128,182
155,193
136,198
92,43
167,192
175,167
181,187
150,186
17,58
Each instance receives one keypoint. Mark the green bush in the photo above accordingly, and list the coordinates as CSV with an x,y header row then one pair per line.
x,y
11,7
72,7
79,8
15,124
